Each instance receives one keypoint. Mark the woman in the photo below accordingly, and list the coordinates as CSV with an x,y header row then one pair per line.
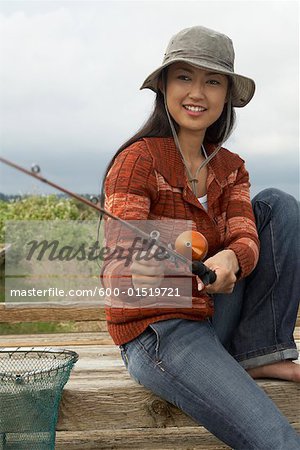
x,y
199,357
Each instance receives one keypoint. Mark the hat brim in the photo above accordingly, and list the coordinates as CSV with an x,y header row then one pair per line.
x,y
243,88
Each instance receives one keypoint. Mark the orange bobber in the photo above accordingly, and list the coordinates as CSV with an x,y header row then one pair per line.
x,y
192,244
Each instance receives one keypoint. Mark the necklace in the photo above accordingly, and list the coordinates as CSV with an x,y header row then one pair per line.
x,y
194,179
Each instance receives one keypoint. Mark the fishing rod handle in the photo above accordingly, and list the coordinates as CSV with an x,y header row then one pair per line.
x,y
206,275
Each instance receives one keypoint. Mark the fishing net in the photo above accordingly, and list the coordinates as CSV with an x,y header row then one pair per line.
x,y
31,384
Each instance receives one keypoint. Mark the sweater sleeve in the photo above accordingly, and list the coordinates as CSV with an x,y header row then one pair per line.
x,y
131,184
130,187
241,233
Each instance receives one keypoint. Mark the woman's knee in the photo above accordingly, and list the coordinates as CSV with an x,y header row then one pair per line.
x,y
279,203
274,195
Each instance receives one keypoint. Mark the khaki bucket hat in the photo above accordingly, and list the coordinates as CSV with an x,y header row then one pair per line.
x,y
206,49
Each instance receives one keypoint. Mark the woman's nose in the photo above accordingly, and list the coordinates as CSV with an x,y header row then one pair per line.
x,y
197,90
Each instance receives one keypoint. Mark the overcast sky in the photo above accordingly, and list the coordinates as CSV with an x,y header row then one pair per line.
x,y
71,71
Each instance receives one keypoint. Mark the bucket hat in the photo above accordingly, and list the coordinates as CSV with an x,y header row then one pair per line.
x,y
206,49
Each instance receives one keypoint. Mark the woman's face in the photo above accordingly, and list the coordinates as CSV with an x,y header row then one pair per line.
x,y
195,97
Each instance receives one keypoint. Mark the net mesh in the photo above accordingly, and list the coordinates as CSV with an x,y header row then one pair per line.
x,y
31,384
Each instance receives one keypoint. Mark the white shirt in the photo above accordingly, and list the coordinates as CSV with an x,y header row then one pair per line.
x,y
203,201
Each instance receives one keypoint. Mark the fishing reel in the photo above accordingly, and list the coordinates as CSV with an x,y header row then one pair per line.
x,y
193,246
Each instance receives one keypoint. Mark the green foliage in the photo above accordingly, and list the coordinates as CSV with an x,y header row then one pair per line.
x,y
39,208
43,208
37,327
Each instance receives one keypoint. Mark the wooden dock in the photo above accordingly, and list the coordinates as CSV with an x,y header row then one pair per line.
x,y
103,408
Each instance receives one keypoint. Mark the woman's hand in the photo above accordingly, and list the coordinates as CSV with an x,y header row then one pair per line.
x,y
226,266
147,273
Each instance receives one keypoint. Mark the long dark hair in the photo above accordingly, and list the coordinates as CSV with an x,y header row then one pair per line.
x,y
158,125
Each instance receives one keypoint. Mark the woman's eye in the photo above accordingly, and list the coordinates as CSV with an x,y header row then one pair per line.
x,y
183,77
214,82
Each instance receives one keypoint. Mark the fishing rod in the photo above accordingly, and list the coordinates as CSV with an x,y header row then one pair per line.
x,y
187,242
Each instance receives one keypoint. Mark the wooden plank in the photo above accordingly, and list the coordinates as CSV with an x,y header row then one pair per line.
x,y
64,339
101,359
185,438
55,340
95,361
111,401
108,396
26,312
120,402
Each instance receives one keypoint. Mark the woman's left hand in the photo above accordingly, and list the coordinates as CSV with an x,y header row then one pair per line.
x,y
226,266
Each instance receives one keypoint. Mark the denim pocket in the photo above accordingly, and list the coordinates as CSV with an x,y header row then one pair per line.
x,y
150,341
123,355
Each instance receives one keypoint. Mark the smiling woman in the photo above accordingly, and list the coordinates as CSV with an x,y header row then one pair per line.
x,y
195,93
199,356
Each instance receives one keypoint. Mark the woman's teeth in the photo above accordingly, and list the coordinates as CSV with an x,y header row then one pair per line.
x,y
194,108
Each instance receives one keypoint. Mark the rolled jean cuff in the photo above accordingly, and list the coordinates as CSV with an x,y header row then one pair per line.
x,y
271,357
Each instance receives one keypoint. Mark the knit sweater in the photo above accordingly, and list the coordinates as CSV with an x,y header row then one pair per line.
x,y
148,182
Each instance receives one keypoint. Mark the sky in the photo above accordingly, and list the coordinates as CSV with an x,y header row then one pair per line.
x,y
71,72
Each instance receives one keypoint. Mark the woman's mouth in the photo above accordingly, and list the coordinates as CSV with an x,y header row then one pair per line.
x,y
194,108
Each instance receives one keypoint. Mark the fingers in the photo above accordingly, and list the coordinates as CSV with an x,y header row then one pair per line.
x,y
146,272
139,268
139,281
200,284
224,284
146,264
151,277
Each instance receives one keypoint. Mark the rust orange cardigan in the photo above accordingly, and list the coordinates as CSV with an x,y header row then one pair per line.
x,y
148,181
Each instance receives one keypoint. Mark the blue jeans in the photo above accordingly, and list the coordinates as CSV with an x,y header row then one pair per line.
x,y
200,366
256,322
